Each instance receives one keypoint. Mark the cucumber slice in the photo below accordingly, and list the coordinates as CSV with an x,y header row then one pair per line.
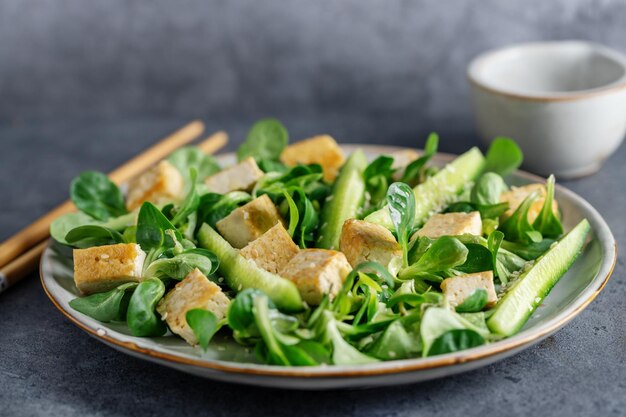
x,y
439,190
344,201
534,284
240,273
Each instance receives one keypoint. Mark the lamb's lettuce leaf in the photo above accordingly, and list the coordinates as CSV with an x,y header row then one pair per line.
x,y
96,195
265,141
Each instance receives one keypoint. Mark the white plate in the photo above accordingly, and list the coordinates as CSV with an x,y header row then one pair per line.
x,y
227,361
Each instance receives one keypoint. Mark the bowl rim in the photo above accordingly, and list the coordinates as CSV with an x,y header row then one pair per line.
x,y
481,60
508,345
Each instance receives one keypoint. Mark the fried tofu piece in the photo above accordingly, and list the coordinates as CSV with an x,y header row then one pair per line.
x,y
452,224
457,289
516,196
159,185
239,177
317,272
194,291
322,149
249,222
102,268
273,250
363,241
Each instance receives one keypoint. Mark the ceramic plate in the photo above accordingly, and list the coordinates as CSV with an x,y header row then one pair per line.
x,y
227,361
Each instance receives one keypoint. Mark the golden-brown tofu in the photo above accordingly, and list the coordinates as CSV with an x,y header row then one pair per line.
x,y
321,150
452,224
273,250
317,272
102,268
457,289
194,291
248,222
516,196
363,241
159,185
239,177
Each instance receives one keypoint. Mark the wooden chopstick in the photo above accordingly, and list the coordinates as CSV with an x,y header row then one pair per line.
x,y
213,143
26,263
21,266
39,230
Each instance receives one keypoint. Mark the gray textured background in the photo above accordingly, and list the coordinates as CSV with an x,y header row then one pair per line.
x,y
395,67
86,85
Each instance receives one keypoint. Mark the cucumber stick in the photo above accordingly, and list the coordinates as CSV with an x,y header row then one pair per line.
x,y
241,273
535,283
344,200
439,190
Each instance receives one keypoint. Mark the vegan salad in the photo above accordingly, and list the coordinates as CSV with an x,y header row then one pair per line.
x,y
313,258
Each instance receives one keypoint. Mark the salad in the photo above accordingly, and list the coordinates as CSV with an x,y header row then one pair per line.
x,y
311,257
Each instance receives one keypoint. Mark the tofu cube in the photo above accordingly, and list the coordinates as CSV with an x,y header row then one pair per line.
x,y
102,268
457,289
317,272
400,161
516,196
239,177
194,291
363,241
273,250
452,224
248,222
159,185
321,150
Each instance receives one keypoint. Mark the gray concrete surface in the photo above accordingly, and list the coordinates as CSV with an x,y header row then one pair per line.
x,y
48,367
400,62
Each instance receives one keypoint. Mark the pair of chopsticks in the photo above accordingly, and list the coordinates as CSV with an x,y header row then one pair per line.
x,y
19,255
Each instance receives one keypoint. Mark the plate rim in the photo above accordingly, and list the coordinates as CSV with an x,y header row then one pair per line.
x,y
496,349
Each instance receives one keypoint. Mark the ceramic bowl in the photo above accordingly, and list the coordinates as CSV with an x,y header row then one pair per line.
x,y
563,102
